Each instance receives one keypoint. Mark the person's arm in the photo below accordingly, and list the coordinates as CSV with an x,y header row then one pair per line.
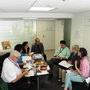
x,y
42,48
32,48
56,52
67,54
20,76
76,67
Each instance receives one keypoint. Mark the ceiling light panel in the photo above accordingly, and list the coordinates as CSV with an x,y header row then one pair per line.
x,y
41,8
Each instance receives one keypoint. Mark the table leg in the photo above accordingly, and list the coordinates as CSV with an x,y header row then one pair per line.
x,y
38,88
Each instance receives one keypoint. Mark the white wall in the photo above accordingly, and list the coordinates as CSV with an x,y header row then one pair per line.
x,y
49,31
16,31
80,33
46,32
59,32
36,15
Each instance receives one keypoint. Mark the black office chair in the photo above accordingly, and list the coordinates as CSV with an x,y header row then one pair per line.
x,y
3,85
80,86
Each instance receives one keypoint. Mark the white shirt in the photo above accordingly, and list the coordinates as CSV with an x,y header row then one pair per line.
x,y
88,80
9,71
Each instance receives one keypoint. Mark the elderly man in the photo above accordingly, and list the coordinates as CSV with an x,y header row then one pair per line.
x,y
11,72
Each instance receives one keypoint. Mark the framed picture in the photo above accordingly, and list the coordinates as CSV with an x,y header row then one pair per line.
x,y
6,45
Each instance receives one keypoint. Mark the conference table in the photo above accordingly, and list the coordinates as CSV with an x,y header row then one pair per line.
x,y
34,72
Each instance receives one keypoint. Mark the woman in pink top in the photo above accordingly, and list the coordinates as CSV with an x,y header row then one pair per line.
x,y
81,71
84,67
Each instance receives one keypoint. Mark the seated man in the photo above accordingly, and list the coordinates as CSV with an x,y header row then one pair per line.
x,y
61,53
11,72
38,47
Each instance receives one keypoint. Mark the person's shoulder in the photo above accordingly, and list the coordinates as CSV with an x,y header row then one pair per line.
x,y
33,45
67,48
7,62
41,43
86,58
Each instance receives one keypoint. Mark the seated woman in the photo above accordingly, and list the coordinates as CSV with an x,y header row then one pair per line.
x,y
82,70
38,47
74,54
25,48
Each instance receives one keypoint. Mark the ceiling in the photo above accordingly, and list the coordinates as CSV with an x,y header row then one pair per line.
x,y
61,6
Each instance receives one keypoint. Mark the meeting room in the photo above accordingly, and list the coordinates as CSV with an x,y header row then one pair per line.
x,y
44,45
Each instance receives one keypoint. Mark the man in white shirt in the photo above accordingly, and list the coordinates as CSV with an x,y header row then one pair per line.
x,y
11,72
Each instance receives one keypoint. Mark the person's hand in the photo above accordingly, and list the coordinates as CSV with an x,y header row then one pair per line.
x,y
54,56
70,62
61,58
31,54
25,72
71,69
23,69
27,61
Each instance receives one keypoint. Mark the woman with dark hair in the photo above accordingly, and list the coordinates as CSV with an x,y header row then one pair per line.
x,y
80,72
25,48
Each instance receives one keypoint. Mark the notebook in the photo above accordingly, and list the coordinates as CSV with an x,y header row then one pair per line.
x,y
65,64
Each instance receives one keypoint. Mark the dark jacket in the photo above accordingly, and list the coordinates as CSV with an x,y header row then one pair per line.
x,y
74,57
37,48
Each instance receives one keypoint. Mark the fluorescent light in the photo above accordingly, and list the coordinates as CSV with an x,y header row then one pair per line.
x,y
41,8
27,18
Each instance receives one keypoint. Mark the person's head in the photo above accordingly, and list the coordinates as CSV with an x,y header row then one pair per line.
x,y
18,47
82,52
62,44
15,55
37,40
75,48
25,45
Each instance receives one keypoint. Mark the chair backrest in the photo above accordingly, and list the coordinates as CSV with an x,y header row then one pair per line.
x,y
3,85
